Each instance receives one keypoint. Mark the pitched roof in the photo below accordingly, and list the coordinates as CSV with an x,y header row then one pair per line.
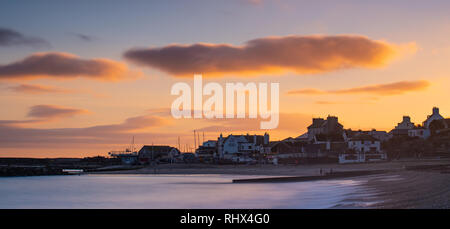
x,y
156,149
317,123
303,136
249,138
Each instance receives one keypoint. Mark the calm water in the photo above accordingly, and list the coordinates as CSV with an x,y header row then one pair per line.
x,y
174,191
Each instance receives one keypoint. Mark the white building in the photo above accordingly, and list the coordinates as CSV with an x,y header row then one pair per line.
x,y
403,127
210,143
149,153
241,146
434,116
419,132
363,148
406,124
364,144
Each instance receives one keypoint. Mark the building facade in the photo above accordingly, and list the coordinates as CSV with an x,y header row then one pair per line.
x,y
241,147
363,148
434,116
157,153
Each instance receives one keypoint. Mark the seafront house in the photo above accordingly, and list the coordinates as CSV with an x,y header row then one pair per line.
x,y
407,128
434,116
323,142
403,127
157,153
324,127
424,130
362,147
328,139
207,151
241,148
327,135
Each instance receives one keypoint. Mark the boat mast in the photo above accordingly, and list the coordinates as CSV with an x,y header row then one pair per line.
x,y
195,141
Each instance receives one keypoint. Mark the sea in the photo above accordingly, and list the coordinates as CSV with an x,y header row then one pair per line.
x,y
179,191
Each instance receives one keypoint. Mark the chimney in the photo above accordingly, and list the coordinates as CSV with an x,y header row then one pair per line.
x,y
435,110
266,139
317,120
332,119
406,119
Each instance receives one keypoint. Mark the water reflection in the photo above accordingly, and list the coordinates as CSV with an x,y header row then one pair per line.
x,y
169,191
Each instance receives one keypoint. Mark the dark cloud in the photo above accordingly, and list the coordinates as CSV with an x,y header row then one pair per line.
x,y
131,124
37,89
42,114
377,89
271,55
52,111
9,37
293,122
83,37
18,136
19,122
63,66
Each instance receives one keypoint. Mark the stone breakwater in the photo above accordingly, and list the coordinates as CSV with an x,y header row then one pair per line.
x,y
9,171
328,176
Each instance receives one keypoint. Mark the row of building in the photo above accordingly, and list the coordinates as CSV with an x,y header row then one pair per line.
x,y
326,140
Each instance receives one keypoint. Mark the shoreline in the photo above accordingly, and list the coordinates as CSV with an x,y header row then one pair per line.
x,y
411,190
279,170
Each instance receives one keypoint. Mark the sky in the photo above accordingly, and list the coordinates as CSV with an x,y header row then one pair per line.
x,y
81,78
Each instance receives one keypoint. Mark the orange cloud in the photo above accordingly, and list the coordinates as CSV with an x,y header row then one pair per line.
x,y
299,54
322,102
63,66
378,89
